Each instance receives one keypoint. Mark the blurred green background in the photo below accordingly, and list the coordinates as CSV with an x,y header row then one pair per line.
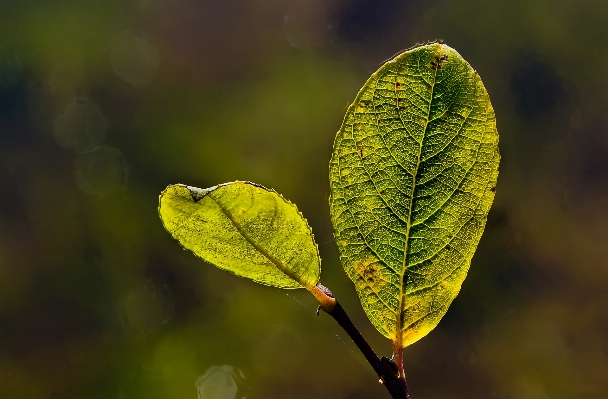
x,y
104,103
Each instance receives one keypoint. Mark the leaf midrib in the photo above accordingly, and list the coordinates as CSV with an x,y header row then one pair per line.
x,y
401,309
279,265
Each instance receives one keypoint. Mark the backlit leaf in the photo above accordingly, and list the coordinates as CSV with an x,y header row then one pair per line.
x,y
413,175
246,229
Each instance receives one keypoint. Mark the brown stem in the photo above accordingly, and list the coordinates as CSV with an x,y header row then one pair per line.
x,y
398,359
395,385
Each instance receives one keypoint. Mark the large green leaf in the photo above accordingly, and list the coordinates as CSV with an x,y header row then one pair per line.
x,y
413,175
246,229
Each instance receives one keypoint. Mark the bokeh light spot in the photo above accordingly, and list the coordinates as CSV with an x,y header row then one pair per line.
x,y
134,59
219,383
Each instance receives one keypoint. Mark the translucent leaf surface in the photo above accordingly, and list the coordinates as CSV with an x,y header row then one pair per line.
x,y
413,175
246,229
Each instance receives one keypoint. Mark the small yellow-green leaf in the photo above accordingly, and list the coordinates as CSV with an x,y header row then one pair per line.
x,y
413,175
245,229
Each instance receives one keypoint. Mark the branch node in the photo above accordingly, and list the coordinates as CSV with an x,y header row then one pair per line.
x,y
324,296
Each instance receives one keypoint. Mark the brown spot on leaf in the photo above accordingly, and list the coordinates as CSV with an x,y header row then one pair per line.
x,y
369,271
360,150
397,85
363,104
239,214
438,61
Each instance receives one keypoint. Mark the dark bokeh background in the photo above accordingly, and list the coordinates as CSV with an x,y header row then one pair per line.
x,y
104,103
